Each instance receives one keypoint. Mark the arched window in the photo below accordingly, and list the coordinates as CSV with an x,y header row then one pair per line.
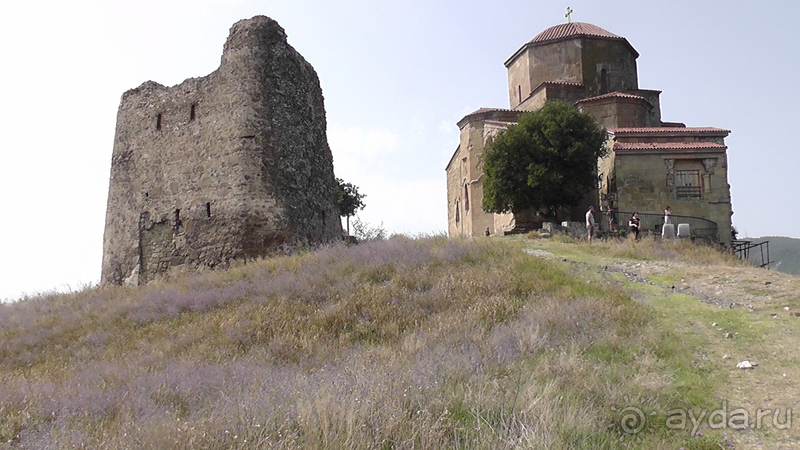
x,y
458,213
466,197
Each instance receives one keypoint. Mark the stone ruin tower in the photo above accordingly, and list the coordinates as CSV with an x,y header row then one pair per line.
x,y
235,164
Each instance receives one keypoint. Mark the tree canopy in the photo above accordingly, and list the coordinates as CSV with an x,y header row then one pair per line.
x,y
547,160
348,200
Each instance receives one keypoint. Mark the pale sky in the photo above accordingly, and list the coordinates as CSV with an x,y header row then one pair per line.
x,y
396,75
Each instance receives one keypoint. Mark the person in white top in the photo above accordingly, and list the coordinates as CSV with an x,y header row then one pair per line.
x,y
667,220
590,223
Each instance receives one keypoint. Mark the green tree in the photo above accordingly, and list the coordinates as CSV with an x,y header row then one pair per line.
x,y
348,200
547,160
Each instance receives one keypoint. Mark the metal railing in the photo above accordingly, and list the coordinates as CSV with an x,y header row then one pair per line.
x,y
652,223
741,248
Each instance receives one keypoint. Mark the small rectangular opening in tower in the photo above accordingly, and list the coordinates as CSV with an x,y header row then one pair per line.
x,y
158,122
208,209
177,216
192,111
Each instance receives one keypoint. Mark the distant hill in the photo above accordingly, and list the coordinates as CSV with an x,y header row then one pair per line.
x,y
785,252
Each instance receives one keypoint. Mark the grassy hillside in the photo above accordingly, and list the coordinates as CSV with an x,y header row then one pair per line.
x,y
429,343
784,251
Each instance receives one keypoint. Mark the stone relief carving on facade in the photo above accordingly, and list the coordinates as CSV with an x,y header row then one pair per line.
x,y
710,164
670,163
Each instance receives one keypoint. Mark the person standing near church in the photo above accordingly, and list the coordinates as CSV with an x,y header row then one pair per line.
x,y
590,223
633,224
667,221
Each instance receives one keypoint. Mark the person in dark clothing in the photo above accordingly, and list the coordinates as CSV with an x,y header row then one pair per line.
x,y
633,224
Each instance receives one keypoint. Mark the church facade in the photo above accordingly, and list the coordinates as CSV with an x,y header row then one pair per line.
x,y
651,163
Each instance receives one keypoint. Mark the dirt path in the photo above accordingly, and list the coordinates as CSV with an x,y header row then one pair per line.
x,y
766,331
748,287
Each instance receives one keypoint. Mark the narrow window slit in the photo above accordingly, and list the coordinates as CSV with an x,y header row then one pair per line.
x,y
192,112
158,122
603,82
208,209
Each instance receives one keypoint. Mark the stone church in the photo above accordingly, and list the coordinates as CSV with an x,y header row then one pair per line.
x,y
232,165
651,163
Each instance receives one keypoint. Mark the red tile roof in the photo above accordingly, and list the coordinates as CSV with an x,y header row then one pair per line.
x,y
553,83
667,146
499,114
611,95
560,82
569,31
669,130
483,110
566,30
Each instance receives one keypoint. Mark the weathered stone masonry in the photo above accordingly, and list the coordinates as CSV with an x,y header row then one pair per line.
x,y
232,165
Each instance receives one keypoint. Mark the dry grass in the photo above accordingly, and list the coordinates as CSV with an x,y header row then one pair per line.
x,y
407,343
726,311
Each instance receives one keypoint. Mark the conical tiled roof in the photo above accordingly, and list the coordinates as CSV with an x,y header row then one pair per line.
x,y
567,30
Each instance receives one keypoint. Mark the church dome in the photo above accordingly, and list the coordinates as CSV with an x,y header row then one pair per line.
x,y
573,29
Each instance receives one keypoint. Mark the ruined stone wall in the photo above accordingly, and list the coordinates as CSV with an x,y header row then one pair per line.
x,y
232,165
